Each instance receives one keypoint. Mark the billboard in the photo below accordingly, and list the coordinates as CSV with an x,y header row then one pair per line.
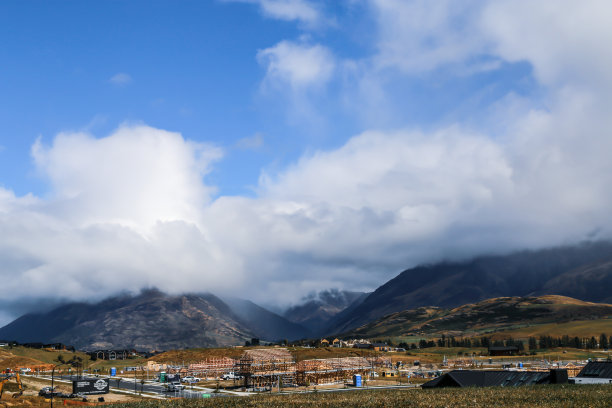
x,y
90,386
173,378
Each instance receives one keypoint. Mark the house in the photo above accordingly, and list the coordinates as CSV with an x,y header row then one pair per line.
x,y
381,347
497,378
363,346
595,372
336,343
324,343
503,351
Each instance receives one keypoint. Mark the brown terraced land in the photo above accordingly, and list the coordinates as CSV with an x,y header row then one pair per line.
x,y
576,396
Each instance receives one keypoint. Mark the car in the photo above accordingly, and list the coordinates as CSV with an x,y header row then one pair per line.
x,y
175,386
229,376
190,379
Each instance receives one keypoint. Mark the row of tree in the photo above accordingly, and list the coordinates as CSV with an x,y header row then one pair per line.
x,y
543,342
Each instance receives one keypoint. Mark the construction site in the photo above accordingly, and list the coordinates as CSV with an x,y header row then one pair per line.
x,y
268,368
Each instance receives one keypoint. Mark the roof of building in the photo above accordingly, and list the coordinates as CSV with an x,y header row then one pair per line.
x,y
362,345
474,378
380,345
597,369
503,348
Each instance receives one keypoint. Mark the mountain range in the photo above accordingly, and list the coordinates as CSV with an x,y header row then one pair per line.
x,y
154,320
316,310
582,271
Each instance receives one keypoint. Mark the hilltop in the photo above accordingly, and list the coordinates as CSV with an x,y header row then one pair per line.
x,y
492,315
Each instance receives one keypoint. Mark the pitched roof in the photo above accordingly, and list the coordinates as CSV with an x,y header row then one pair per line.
x,y
597,369
474,378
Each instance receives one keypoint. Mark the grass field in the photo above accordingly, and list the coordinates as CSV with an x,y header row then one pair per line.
x,y
538,396
580,328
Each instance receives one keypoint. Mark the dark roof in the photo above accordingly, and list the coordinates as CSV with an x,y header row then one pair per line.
x,y
474,378
380,345
597,369
362,345
503,348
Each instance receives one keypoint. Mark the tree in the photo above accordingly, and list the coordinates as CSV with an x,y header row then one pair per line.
x,y
533,343
603,341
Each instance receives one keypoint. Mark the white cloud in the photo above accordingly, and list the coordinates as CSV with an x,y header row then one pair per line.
x,y
420,35
297,64
251,143
289,10
120,78
136,176
564,40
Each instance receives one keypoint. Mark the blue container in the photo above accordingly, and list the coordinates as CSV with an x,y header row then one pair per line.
x,y
113,371
357,380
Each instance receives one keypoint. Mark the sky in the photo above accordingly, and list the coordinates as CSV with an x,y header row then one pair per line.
x,y
272,148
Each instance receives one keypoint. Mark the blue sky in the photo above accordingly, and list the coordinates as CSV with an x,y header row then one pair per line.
x,y
313,144
191,67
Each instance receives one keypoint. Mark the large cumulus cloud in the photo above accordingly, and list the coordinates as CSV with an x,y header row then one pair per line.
x,y
134,209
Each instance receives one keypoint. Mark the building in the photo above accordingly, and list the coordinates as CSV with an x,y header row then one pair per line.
x,y
595,372
212,367
266,368
503,351
497,378
332,370
381,347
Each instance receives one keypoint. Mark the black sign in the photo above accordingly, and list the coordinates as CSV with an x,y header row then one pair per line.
x,y
90,386
173,378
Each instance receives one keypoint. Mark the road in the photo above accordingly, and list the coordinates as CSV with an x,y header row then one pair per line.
x,y
150,387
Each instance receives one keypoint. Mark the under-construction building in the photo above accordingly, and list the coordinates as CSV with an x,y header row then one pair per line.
x,y
332,370
266,368
212,367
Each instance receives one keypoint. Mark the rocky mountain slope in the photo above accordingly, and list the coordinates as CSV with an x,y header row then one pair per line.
x,y
582,271
317,310
150,321
486,316
265,324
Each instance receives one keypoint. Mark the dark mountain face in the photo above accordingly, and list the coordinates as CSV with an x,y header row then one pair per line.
x,y
583,271
317,310
151,320
265,324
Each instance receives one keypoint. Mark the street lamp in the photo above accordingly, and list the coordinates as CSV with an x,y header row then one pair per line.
x,y
74,361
